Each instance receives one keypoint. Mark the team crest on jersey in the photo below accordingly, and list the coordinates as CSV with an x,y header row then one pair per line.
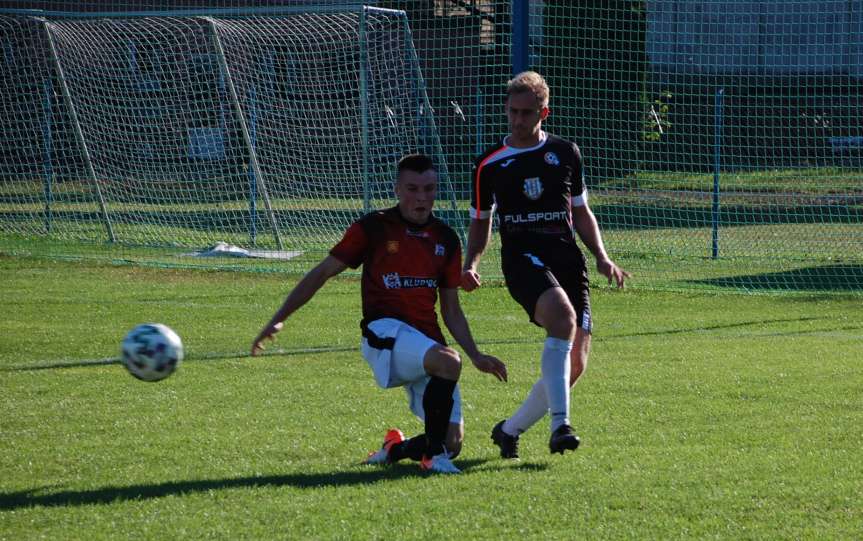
x,y
392,246
533,188
551,158
438,249
392,280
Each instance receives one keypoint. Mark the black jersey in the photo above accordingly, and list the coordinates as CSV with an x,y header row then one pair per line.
x,y
533,190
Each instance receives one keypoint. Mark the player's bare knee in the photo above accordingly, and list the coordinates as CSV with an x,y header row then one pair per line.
x,y
555,313
563,325
443,362
452,363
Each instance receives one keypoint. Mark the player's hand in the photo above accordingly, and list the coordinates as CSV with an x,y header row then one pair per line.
x,y
610,270
490,365
268,333
470,280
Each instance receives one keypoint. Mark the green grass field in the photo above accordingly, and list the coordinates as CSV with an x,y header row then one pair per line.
x,y
702,415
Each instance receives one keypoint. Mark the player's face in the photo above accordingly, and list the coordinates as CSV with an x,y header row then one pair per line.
x,y
416,193
525,118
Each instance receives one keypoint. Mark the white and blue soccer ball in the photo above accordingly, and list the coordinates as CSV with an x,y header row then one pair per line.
x,y
152,351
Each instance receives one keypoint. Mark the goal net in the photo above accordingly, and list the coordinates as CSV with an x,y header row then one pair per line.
x,y
722,140
269,132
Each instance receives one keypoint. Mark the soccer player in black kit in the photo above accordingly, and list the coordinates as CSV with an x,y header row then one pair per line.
x,y
411,260
535,182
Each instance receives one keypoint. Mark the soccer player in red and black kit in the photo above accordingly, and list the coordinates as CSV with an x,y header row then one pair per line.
x,y
408,257
535,182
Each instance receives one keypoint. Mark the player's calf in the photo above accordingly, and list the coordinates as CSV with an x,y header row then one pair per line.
x,y
454,438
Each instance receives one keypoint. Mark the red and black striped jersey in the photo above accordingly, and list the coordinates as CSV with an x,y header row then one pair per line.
x,y
533,191
403,267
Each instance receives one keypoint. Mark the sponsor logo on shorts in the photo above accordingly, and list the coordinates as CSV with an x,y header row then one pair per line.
x,y
392,280
537,262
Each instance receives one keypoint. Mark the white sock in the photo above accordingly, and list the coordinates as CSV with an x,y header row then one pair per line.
x,y
555,374
534,408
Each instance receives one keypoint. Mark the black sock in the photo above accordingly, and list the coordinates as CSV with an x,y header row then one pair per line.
x,y
413,449
437,403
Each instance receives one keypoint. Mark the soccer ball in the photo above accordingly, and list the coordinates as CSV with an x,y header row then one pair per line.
x,y
152,351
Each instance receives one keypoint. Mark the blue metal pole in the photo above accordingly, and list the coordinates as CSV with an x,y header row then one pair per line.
x,y
520,35
253,181
717,164
48,151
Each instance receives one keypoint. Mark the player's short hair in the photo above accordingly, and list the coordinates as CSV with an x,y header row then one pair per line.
x,y
529,81
418,163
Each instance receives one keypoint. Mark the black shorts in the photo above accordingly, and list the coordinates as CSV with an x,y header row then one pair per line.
x,y
529,275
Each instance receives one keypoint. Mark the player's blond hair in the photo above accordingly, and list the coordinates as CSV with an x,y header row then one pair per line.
x,y
529,81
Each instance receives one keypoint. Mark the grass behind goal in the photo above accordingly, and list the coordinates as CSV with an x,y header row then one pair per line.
x,y
662,230
702,416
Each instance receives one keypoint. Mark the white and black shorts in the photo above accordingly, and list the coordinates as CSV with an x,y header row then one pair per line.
x,y
395,353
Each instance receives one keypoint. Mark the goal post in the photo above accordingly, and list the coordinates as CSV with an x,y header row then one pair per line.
x,y
185,123
76,127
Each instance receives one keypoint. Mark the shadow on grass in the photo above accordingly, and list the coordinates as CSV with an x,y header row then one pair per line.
x,y
108,495
833,278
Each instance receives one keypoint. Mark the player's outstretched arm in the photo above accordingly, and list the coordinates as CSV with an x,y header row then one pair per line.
x,y
588,231
456,322
477,240
300,295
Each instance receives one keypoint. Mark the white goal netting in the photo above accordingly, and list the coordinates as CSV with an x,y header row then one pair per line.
x,y
268,131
